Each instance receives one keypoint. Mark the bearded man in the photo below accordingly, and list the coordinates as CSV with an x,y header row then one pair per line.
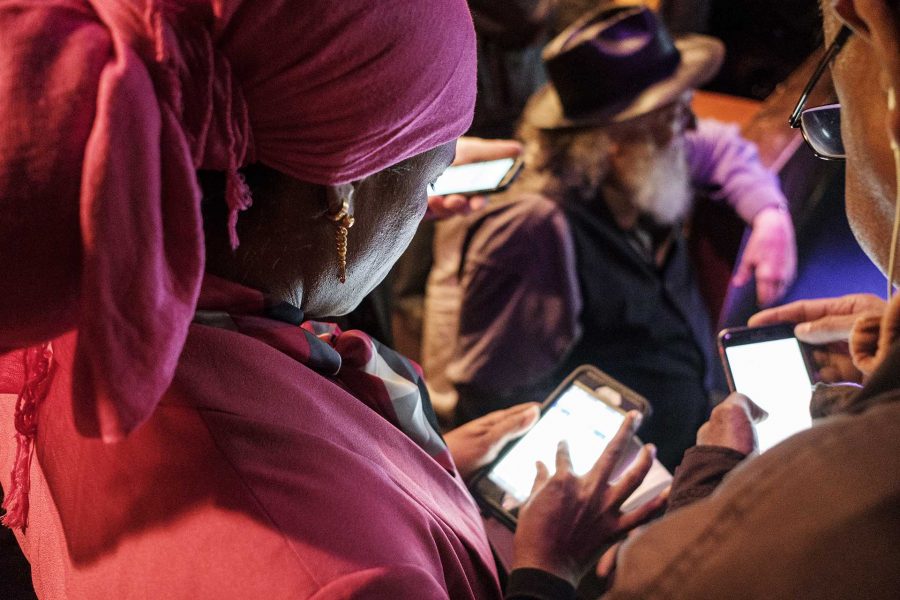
x,y
818,515
584,259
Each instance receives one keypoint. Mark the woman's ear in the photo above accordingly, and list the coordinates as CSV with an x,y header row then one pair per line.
x,y
337,195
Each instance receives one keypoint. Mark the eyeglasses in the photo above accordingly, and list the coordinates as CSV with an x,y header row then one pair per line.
x,y
821,125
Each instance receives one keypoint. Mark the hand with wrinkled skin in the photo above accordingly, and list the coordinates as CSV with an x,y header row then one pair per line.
x,y
873,335
569,520
478,442
770,256
864,342
828,323
730,425
469,150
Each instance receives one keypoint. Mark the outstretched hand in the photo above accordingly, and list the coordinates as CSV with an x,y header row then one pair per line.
x,y
770,256
478,442
469,150
569,520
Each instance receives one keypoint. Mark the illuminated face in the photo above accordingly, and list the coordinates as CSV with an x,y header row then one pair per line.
x,y
862,79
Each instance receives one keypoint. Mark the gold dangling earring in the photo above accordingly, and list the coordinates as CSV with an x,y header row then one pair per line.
x,y
343,221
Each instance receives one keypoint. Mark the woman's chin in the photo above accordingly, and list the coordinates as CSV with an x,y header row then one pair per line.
x,y
337,310
338,303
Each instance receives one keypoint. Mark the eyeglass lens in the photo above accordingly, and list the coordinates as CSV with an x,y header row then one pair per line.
x,y
821,127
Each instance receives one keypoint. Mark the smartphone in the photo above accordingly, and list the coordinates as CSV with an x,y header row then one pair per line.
x,y
486,177
770,366
586,410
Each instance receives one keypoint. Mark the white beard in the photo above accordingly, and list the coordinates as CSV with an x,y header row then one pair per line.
x,y
657,181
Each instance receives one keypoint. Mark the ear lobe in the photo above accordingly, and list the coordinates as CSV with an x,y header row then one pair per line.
x,y
336,195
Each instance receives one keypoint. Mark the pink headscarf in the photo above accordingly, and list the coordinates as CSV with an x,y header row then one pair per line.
x,y
107,108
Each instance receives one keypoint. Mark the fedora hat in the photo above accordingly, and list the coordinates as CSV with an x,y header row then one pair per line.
x,y
616,63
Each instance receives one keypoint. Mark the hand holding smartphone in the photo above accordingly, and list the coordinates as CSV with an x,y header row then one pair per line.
x,y
484,177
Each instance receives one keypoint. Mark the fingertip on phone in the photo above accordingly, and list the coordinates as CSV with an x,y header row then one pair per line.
x,y
477,202
531,415
636,418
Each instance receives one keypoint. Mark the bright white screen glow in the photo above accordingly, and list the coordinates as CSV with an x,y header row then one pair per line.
x,y
586,423
773,375
472,178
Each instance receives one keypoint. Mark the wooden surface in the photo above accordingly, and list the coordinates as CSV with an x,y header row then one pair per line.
x,y
724,107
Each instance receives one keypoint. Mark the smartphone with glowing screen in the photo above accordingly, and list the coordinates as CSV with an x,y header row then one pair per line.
x,y
485,177
770,366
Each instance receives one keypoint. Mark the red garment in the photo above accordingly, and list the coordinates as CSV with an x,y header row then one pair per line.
x,y
255,477
107,108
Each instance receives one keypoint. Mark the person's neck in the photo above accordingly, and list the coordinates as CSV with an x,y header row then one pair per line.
x,y
629,218
623,211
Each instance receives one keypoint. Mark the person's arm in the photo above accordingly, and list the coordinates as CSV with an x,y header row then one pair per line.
x,y
701,470
722,443
728,168
520,307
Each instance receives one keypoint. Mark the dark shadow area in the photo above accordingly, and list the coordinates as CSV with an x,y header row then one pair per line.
x,y
15,572
766,41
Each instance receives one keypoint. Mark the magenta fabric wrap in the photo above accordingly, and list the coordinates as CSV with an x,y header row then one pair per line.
x,y
107,109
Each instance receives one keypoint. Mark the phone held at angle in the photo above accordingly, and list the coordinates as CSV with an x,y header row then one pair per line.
x,y
769,365
586,410
486,177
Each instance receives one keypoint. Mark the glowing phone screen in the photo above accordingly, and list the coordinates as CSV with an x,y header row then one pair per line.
x,y
473,177
585,422
774,376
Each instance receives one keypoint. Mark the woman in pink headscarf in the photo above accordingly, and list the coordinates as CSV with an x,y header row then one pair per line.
x,y
180,429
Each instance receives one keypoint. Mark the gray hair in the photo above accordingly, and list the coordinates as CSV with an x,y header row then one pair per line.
x,y
570,163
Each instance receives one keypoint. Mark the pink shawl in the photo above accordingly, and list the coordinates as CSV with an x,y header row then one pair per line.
x,y
107,108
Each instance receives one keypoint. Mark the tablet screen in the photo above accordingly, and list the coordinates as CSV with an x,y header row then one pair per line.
x,y
577,416
773,374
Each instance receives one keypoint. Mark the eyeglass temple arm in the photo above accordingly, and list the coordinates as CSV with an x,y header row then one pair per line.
x,y
840,39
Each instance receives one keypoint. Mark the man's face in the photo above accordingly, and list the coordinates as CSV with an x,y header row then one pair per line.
x,y
861,83
648,163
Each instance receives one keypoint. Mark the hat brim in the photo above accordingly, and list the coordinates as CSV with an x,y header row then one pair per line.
x,y
701,58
